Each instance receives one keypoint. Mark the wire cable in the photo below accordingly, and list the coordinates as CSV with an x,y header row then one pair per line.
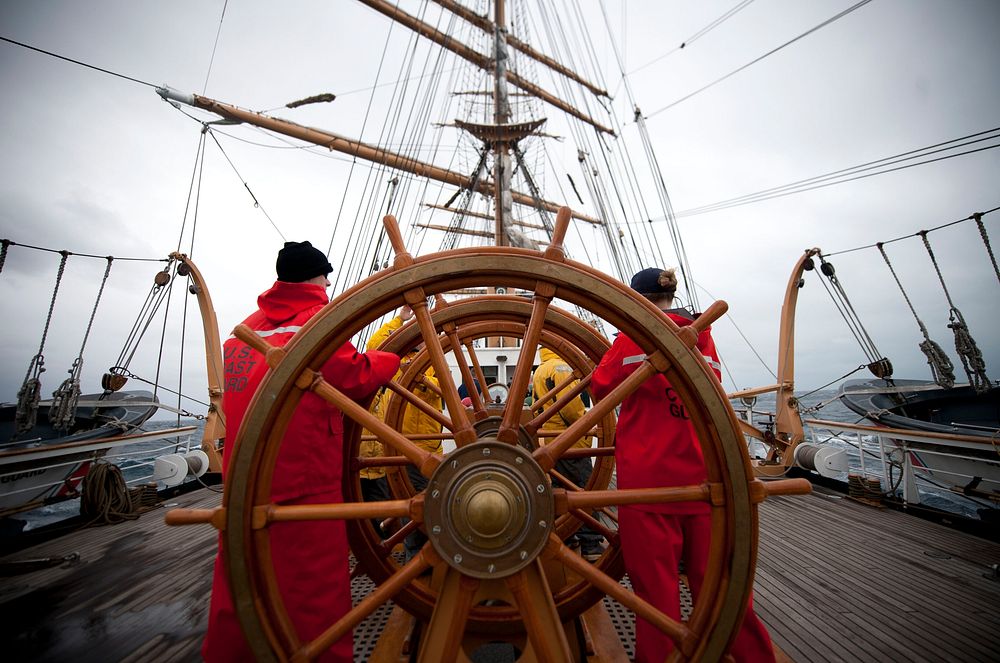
x,y
696,36
756,60
10,242
890,241
843,173
214,47
82,64
256,203
840,181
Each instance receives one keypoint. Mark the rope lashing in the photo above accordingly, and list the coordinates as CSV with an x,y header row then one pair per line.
x,y
942,370
965,345
62,412
977,217
3,252
28,396
879,365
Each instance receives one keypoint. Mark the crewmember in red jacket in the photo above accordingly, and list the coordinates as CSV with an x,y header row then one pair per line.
x,y
655,447
310,558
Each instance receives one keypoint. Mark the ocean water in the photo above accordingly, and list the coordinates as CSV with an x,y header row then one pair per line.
x,y
136,460
136,463
825,405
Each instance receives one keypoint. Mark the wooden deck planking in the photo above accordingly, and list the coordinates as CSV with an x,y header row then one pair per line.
x,y
862,601
848,596
140,591
862,573
836,581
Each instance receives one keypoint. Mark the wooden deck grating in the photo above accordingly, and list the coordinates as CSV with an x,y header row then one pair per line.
x,y
836,581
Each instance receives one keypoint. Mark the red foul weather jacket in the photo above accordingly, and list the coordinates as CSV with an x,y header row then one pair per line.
x,y
655,443
310,559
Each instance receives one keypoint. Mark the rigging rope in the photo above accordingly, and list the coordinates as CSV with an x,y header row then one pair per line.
x,y
820,405
942,370
183,270
62,412
114,379
965,345
879,365
28,396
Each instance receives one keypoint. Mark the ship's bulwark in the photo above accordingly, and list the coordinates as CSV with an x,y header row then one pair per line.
x,y
836,580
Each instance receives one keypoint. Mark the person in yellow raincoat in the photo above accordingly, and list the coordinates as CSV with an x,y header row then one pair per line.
x,y
374,485
551,372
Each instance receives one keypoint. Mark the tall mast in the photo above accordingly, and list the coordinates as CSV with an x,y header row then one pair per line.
x,y
503,201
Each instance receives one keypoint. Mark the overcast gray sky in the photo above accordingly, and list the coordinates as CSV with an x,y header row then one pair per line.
x,y
97,164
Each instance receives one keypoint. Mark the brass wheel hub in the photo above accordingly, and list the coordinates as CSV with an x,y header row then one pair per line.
x,y
477,505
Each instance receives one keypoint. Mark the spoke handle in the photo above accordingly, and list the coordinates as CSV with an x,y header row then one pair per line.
x,y
555,248
764,489
215,517
272,354
403,257
689,334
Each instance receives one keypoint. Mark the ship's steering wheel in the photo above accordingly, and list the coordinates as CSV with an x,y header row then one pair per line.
x,y
496,524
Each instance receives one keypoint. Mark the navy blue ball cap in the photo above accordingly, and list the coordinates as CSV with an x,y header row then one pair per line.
x,y
653,280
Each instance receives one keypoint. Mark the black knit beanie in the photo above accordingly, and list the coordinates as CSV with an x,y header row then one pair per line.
x,y
301,261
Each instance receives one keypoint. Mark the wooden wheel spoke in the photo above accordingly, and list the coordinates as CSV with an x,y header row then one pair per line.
x,y
560,402
542,399
674,629
266,514
476,366
580,515
595,524
443,638
475,395
547,455
592,499
522,374
386,546
419,403
425,461
541,620
384,592
588,452
461,426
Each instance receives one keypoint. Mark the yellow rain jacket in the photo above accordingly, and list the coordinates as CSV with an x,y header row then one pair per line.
x,y
549,373
414,421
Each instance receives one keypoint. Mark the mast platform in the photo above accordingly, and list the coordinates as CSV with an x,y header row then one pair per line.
x,y
836,581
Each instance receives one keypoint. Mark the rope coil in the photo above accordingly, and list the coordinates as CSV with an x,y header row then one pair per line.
x,y
105,497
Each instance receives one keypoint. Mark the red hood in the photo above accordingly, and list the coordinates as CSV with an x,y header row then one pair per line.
x,y
284,300
680,316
